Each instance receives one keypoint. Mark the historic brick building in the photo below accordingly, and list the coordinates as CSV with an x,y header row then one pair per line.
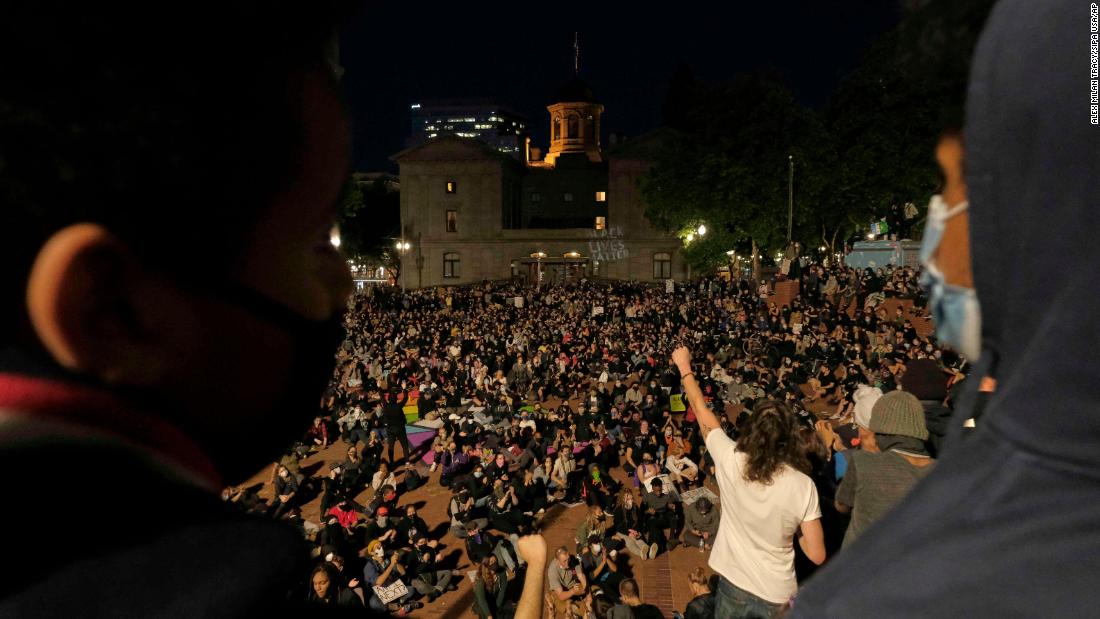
x,y
470,213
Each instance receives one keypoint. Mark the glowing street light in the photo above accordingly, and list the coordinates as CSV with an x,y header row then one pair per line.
x,y
701,230
402,247
334,237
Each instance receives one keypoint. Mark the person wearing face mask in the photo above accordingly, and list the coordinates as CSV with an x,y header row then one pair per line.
x,y
1013,505
422,570
382,571
286,490
382,527
876,481
181,364
599,564
481,544
630,526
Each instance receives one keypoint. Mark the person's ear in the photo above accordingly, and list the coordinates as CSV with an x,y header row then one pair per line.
x,y
95,309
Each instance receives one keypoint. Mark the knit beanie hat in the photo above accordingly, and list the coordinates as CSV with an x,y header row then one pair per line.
x,y
899,413
924,379
865,398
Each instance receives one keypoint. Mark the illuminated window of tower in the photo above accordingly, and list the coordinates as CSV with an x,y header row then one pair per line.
x,y
557,129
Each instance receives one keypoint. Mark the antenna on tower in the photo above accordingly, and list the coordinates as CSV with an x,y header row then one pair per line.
x,y
576,54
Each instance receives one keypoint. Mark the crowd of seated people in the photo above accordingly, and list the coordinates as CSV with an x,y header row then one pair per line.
x,y
545,402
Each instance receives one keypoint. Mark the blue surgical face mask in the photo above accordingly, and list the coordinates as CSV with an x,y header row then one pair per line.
x,y
955,309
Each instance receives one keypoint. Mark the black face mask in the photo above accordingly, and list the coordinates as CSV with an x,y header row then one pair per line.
x,y
314,344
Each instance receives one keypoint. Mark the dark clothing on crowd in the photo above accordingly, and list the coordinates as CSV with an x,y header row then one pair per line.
x,y
700,607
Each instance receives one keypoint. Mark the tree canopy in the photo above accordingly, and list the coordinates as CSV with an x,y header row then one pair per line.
x,y
860,158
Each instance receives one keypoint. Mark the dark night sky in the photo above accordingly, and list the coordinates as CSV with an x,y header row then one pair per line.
x,y
399,53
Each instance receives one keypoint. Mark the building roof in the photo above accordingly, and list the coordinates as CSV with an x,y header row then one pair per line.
x,y
448,147
575,91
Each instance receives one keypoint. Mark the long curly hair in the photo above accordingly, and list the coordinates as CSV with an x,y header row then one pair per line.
x,y
772,437
487,571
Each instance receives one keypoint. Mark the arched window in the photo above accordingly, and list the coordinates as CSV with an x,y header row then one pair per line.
x,y
450,264
662,265
574,129
557,128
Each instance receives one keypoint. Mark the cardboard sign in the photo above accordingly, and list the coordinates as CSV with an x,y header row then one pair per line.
x,y
393,592
676,403
597,310
694,495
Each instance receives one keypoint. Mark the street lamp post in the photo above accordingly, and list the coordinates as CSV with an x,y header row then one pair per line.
x,y
402,247
790,196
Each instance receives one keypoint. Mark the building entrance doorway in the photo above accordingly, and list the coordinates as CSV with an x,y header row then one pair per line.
x,y
554,270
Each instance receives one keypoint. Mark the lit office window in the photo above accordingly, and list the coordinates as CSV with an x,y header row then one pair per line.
x,y
601,196
452,187
601,223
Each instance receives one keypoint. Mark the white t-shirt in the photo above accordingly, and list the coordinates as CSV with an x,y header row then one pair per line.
x,y
755,545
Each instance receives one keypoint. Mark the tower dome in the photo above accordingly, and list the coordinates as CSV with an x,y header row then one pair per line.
x,y
575,91
575,122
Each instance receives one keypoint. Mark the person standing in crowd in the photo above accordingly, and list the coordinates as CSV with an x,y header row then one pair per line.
x,y
393,416
877,481
767,501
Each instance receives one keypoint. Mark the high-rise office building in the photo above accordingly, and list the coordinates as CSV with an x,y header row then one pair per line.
x,y
496,125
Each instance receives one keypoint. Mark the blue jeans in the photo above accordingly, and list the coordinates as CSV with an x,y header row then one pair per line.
x,y
734,602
